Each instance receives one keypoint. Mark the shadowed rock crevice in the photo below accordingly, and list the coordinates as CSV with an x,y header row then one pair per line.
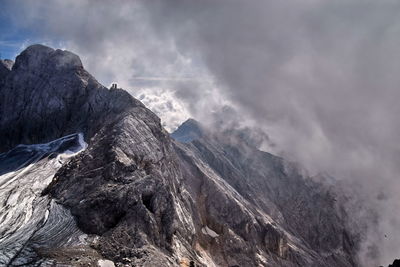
x,y
147,200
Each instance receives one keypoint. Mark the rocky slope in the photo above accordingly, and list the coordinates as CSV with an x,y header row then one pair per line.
x,y
137,197
275,216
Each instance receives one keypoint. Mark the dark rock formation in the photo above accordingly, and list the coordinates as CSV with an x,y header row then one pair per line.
x,y
48,94
144,199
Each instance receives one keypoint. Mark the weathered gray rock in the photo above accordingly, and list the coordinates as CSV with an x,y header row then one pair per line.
x,y
144,199
280,217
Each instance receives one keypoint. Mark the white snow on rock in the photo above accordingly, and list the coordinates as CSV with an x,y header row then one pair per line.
x,y
105,263
207,231
23,211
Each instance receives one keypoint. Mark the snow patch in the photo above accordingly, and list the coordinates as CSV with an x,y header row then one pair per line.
x,y
105,263
207,231
23,211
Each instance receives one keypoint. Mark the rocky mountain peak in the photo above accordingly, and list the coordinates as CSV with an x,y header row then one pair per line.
x,y
54,96
188,131
37,57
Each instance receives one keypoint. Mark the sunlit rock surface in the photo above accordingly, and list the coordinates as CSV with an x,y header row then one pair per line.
x,y
136,197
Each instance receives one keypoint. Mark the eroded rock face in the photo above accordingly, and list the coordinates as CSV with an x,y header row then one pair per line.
x,y
122,187
264,211
146,200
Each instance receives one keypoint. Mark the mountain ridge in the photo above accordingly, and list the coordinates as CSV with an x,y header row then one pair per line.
x,y
139,197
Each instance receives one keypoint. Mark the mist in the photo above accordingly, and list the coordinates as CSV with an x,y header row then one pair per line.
x,y
320,78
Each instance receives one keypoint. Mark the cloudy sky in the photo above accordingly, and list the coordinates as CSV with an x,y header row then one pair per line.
x,y
320,78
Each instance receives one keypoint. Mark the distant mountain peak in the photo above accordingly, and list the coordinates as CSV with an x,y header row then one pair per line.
x,y
188,131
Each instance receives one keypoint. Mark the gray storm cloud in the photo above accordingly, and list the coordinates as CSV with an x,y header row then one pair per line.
x,y
319,77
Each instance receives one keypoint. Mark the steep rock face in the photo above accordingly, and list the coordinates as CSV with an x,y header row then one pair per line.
x,y
280,217
48,94
144,199
122,189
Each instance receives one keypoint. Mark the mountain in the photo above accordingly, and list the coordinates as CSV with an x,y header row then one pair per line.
x,y
98,181
48,94
188,131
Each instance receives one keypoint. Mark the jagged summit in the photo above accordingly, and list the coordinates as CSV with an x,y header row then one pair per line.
x,y
39,56
188,131
54,96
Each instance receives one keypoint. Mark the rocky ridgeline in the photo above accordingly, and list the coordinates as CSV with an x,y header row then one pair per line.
x,y
141,198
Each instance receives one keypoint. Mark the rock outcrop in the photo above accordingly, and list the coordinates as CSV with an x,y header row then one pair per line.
x,y
140,198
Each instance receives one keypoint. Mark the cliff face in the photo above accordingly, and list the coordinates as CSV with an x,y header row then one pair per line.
x,y
135,196
263,210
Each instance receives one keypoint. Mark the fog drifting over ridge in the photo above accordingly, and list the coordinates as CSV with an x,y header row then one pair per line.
x,y
319,77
